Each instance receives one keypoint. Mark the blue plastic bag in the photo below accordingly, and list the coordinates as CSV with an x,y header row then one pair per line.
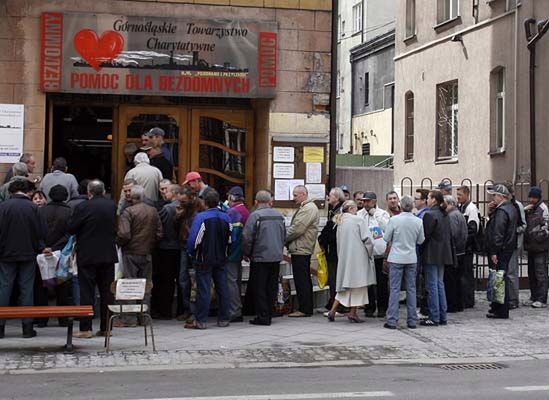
x,y
63,272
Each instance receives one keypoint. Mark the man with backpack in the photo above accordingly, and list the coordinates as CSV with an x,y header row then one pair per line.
x,y
536,243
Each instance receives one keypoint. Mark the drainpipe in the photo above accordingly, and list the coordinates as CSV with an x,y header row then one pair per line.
x,y
333,94
542,27
515,99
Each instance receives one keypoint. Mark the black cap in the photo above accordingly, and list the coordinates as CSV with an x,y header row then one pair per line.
x,y
369,196
156,132
236,191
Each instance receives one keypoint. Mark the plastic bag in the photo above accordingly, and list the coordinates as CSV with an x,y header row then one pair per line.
x,y
322,271
119,266
63,272
48,266
495,292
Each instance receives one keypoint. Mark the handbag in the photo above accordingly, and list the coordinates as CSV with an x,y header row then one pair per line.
x,y
322,270
495,292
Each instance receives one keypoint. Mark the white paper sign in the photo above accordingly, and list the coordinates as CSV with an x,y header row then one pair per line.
x,y
12,117
313,172
294,183
283,171
283,154
282,190
316,191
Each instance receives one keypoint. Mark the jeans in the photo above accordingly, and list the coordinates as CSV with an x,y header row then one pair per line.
x,y
204,275
436,297
396,274
513,275
185,283
378,294
234,284
468,282
537,276
301,268
23,272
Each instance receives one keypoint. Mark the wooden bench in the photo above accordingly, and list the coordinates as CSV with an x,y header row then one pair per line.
x,y
70,312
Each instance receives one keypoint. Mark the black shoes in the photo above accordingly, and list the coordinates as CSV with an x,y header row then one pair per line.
x,y
387,326
2,331
256,321
237,319
28,332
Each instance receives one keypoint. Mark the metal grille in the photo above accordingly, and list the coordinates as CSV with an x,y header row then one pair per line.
x,y
470,367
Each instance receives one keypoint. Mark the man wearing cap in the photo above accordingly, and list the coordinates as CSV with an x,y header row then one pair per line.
x,y
145,175
377,220
445,187
195,182
155,138
238,213
536,243
501,242
346,192
158,160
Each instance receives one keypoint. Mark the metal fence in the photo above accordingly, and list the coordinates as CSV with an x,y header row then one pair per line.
x,y
481,198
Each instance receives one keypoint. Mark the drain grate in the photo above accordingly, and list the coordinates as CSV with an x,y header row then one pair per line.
x,y
471,367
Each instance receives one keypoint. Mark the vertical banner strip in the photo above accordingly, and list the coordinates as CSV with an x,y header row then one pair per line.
x,y
51,51
267,59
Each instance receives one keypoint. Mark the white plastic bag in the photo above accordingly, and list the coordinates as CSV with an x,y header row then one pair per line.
x,y
48,265
119,266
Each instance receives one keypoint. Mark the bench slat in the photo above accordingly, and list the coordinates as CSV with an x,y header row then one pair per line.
x,y
45,311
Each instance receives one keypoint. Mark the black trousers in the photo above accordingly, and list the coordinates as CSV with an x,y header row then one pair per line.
x,y
378,295
266,287
166,264
332,279
452,285
468,281
502,310
89,276
301,267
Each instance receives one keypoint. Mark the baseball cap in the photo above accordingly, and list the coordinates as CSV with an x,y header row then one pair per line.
x,y
236,191
534,192
369,196
191,176
345,188
145,148
155,132
444,185
498,189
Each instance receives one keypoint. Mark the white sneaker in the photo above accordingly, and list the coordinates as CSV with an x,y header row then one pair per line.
x,y
337,314
539,304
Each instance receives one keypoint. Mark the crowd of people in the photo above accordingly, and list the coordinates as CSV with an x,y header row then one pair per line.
x,y
181,238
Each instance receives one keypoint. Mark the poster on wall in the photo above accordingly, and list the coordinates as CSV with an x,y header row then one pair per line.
x,y
118,54
12,118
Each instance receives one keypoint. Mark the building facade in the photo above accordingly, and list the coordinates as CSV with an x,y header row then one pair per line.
x,y
462,91
226,79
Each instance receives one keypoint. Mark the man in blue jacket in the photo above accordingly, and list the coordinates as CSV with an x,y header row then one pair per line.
x,y
209,239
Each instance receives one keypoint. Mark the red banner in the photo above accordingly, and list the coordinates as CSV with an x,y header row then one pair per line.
x,y
267,59
51,52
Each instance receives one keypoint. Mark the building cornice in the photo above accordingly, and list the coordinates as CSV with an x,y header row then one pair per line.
x,y
373,46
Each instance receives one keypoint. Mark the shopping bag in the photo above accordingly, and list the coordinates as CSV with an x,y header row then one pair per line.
x,y
495,292
119,266
48,265
63,271
322,271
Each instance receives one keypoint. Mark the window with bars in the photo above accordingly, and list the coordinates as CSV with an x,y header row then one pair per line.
x,y
498,108
447,120
365,149
447,10
409,126
366,88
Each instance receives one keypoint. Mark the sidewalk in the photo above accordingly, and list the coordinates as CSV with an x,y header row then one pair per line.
x,y
469,337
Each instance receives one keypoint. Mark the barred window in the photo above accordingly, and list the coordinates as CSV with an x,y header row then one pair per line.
x,y
447,120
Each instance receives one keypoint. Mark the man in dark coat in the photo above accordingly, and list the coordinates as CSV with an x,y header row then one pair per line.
x,y
94,224
21,239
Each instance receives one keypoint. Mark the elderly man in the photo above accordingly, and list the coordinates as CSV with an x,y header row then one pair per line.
x,y
26,158
501,235
94,224
263,243
139,229
19,173
59,176
301,241
404,232
145,175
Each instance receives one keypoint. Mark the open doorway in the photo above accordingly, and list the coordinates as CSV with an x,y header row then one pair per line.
x,y
83,135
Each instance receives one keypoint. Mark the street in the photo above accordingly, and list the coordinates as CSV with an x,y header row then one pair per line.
x,y
521,379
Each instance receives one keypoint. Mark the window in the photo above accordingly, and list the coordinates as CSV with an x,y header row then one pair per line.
x,y
338,82
357,18
341,28
365,149
409,126
497,82
511,5
410,18
388,94
447,120
366,88
447,10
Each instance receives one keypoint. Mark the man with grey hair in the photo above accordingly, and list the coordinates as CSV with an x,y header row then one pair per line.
x,y
139,229
94,224
404,232
453,275
26,158
59,176
19,173
145,175
263,243
301,241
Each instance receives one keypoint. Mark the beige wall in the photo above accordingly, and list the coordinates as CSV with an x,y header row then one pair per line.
x,y
303,64
379,123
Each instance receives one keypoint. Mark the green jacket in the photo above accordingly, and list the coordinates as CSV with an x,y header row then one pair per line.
x,y
303,231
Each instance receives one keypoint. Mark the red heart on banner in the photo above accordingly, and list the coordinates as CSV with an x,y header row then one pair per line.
x,y
96,50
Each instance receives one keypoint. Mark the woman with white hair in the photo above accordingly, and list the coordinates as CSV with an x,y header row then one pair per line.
x,y
355,267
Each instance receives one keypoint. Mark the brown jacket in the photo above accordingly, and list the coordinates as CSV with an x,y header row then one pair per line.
x,y
139,228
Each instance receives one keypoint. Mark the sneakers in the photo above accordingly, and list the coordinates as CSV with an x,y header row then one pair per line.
x,y
83,335
538,304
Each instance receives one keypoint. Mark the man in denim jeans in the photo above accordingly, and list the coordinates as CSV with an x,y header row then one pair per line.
x,y
404,232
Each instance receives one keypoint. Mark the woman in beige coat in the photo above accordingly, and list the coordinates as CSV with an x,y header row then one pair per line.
x,y
355,267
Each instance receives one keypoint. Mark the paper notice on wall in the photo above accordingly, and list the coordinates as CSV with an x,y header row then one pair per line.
x,y
316,191
12,117
294,183
313,173
282,190
283,171
283,154
313,154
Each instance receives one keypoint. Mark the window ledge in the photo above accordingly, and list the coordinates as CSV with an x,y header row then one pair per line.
x,y
449,23
447,161
496,153
359,32
410,39
411,160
